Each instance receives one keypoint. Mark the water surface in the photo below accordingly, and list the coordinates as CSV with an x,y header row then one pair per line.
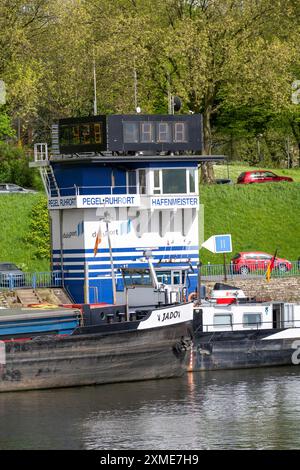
x,y
246,409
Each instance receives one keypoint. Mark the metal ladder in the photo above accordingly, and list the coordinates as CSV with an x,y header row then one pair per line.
x,y
49,180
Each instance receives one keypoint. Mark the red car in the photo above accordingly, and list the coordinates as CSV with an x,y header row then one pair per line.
x,y
260,176
244,262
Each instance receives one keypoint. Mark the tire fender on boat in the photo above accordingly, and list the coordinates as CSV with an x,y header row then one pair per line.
x,y
192,296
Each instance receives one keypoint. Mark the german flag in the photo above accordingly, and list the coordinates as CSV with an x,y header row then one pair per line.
x,y
270,267
98,240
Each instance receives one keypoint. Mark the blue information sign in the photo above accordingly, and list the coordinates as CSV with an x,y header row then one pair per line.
x,y
223,244
218,244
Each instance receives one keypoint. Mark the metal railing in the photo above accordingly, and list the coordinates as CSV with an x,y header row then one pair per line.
x,y
231,272
215,327
31,280
102,190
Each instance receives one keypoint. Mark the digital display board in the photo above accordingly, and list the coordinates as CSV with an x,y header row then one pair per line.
x,y
131,133
154,132
87,134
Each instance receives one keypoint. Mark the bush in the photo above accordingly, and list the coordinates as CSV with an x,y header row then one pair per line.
x,y
14,167
39,235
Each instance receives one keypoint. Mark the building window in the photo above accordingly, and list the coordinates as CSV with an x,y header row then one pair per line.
x,y
157,182
147,132
252,320
191,180
142,181
131,132
174,181
222,320
131,182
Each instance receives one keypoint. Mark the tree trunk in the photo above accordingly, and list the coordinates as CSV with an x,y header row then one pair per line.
x,y
207,170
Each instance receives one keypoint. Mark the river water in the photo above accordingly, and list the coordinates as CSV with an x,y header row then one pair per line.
x,y
245,409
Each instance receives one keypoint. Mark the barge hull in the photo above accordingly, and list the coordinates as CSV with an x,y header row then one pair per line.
x,y
95,358
248,352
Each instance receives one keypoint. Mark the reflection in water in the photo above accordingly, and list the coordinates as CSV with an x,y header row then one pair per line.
x,y
247,409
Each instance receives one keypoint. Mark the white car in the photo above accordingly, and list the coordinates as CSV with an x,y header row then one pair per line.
x,y
14,188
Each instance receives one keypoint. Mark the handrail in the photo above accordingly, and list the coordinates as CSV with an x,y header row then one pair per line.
x,y
216,271
254,325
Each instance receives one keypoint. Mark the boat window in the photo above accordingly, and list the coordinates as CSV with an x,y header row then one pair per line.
x,y
164,277
136,277
252,320
176,277
222,320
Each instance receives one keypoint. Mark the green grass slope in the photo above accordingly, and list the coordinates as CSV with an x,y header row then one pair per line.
x,y
15,217
259,217
262,217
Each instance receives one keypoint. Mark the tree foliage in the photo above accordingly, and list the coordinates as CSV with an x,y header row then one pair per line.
x,y
234,61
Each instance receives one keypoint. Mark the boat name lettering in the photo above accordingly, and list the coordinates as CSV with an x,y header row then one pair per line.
x,y
168,315
174,201
295,358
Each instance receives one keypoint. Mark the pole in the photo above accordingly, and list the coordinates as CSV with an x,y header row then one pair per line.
x,y
225,275
112,266
86,283
95,87
199,282
135,89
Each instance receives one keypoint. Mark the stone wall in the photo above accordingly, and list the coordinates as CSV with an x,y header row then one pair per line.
x,y
284,289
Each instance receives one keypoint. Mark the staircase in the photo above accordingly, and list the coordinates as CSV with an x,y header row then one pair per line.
x,y
28,296
49,181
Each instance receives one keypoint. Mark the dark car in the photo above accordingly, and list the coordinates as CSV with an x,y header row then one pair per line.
x,y
14,188
223,181
260,176
11,275
244,262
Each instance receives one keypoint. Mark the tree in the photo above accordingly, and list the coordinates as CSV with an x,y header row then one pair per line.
x,y
227,51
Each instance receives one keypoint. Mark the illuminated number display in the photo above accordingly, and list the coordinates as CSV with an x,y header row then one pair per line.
x,y
130,133
154,132
85,134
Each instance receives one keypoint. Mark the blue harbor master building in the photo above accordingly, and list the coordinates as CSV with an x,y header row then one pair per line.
x,y
123,189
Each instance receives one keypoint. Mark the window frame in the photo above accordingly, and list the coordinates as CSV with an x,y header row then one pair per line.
x,y
257,324
159,190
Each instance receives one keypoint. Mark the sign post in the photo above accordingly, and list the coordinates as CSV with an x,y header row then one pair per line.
x,y
219,244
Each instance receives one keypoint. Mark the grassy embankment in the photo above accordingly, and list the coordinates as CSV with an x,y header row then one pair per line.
x,y
15,217
259,217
